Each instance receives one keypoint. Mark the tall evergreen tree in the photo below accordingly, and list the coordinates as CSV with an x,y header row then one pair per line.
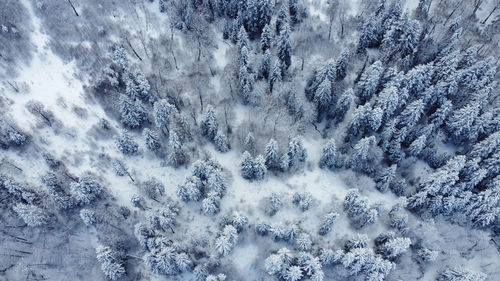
x,y
266,38
209,125
284,46
369,81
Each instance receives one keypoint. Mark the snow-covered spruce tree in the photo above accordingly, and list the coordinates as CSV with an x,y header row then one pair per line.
x,y
293,10
356,242
331,158
126,144
303,200
153,188
371,35
392,248
323,99
367,85
243,40
342,106
223,245
111,264
259,13
163,260
177,155
273,204
32,215
221,143
265,65
86,190
163,218
266,39
209,125
296,152
247,166
282,18
88,217
120,57
260,169
151,139
360,157
272,155
14,136
341,65
284,48
210,205
163,113
385,178
327,223
132,113
249,144
275,75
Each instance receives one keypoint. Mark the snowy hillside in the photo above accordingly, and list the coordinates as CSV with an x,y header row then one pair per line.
x,y
249,140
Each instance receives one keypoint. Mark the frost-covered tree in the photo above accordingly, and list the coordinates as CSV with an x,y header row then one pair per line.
x,y
356,242
258,15
32,215
275,74
273,204
153,188
284,48
266,38
331,158
265,65
260,169
132,113
151,139
341,65
282,17
394,247
367,85
210,125
303,200
223,246
371,35
296,152
247,166
328,222
342,106
323,99
210,205
272,155
385,178
221,143
163,113
88,217
418,145
177,155
359,159
126,144
162,260
249,144
86,190
111,264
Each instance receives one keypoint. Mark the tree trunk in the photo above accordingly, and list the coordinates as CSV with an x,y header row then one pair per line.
x,y
73,7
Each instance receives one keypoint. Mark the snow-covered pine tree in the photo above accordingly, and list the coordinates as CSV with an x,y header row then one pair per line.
x,y
284,48
247,166
265,65
266,39
132,113
209,125
328,222
151,139
163,113
331,158
221,143
32,215
275,75
272,155
367,85
385,178
177,155
126,144
282,17
341,64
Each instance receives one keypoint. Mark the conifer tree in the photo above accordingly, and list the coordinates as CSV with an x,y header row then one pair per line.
x,y
209,125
